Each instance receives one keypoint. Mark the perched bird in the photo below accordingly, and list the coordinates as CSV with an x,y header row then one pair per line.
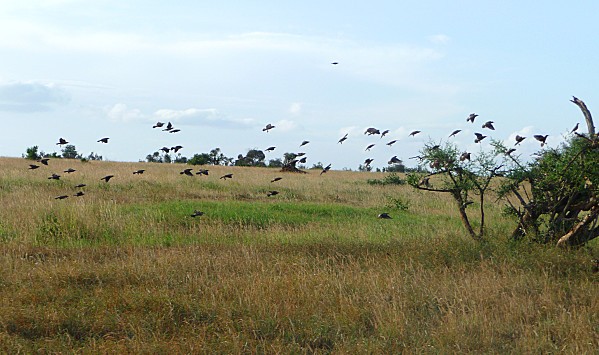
x,y
54,177
158,124
69,170
368,161
272,193
139,172
392,142
61,141
454,133
226,176
465,156
541,138
304,143
394,160
414,133
519,139
325,169
79,194
479,137
33,166
165,149
269,149
169,126
384,133
187,172
471,117
510,151
574,129
369,146
61,197
80,186
276,179
342,139
174,130
44,161
267,128
107,178
103,140
202,172
197,213
384,215
177,148
370,131
489,125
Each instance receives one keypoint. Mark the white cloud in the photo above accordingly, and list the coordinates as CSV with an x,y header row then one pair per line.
x,y
31,96
295,108
439,39
203,117
121,113
285,125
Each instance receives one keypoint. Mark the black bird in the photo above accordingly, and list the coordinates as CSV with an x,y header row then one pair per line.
x,y
479,137
267,128
335,63
103,140
202,172
541,138
385,132
54,177
139,172
302,160
197,213
174,131
187,172
342,139
384,215
44,161
61,141
392,142
269,149
489,125
325,169
276,179
69,170
465,156
165,149
169,126
471,117
300,154
226,176
368,161
107,178
454,133
370,131
33,166
61,197
80,186
158,124
519,139
574,129
79,194
369,146
272,193
394,160
304,143
414,133
177,148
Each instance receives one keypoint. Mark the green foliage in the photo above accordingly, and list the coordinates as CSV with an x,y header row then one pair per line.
x,y
199,159
32,153
397,203
70,152
391,179
254,157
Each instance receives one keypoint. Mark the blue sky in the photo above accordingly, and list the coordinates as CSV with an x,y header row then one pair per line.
x,y
220,71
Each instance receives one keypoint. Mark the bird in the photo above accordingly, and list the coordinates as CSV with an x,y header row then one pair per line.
x,y
44,161
489,125
394,160
107,178
302,160
471,117
384,215
267,128
69,170
79,194
454,133
479,137
384,133
174,130
169,126
368,161
519,139
574,129
300,154
272,193
165,149
342,139
176,148
158,124
80,186
392,142
414,133
61,141
202,172
541,138
33,166
370,131
369,146
61,197
54,177
465,156
197,213
276,179
187,172
226,176
269,149
510,151
139,172
325,169
335,63
304,143
103,140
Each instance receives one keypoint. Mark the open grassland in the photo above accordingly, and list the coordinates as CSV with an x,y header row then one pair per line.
x,y
124,268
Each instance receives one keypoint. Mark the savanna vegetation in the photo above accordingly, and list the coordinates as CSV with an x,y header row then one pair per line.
x,y
126,269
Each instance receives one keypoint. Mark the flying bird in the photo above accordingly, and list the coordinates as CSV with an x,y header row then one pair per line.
x,y
107,178
177,148
454,133
369,146
302,160
479,137
197,213
325,169
574,129
54,177
541,138
61,197
384,215
187,172
394,160
414,133
392,142
202,172
342,139
174,131
272,193
385,132
276,179
304,143
269,149
489,125
79,194
519,139
471,117
226,176
370,131
300,154
80,186
368,161
103,140
267,128
158,124
33,166
165,149
61,142
44,161
169,127
69,170
139,172
335,63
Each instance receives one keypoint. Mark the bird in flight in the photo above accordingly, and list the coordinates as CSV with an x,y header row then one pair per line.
x,y
465,156
267,128
169,127
454,133
177,148
33,166
479,137
370,131
103,140
304,143
368,161
61,197
54,177
158,124
107,178
342,139
394,160
202,172
369,146
79,194
471,117
197,213
489,125
226,176
62,141
44,161
69,170
272,193
139,172
384,215
174,130
519,139
187,172
541,138
276,179
269,149
80,186
392,142
165,149
335,63
414,133
384,133
325,169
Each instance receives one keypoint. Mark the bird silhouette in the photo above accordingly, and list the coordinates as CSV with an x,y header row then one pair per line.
x,y
368,161
44,161
269,149
174,130
342,139
479,137
107,178
79,194
465,156
304,143
177,148
454,133
197,213
574,129
226,176
541,138
158,124
394,160
80,186
169,127
33,166
187,172
335,63
325,169
370,131
384,215
302,160
165,149
519,139
202,172
392,142
54,177
103,140
384,133
61,197
69,170
139,172
489,125
276,179
61,142
369,146
272,193
414,133
471,117
267,128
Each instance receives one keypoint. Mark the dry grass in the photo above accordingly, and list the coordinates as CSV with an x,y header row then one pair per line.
x,y
125,269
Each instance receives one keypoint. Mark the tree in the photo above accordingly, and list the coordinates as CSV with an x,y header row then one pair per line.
x,y
154,158
70,152
218,158
200,159
275,163
254,157
32,153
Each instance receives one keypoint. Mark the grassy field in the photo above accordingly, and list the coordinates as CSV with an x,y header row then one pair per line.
x,y
125,268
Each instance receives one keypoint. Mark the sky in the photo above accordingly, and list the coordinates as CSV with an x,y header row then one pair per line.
x,y
220,71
